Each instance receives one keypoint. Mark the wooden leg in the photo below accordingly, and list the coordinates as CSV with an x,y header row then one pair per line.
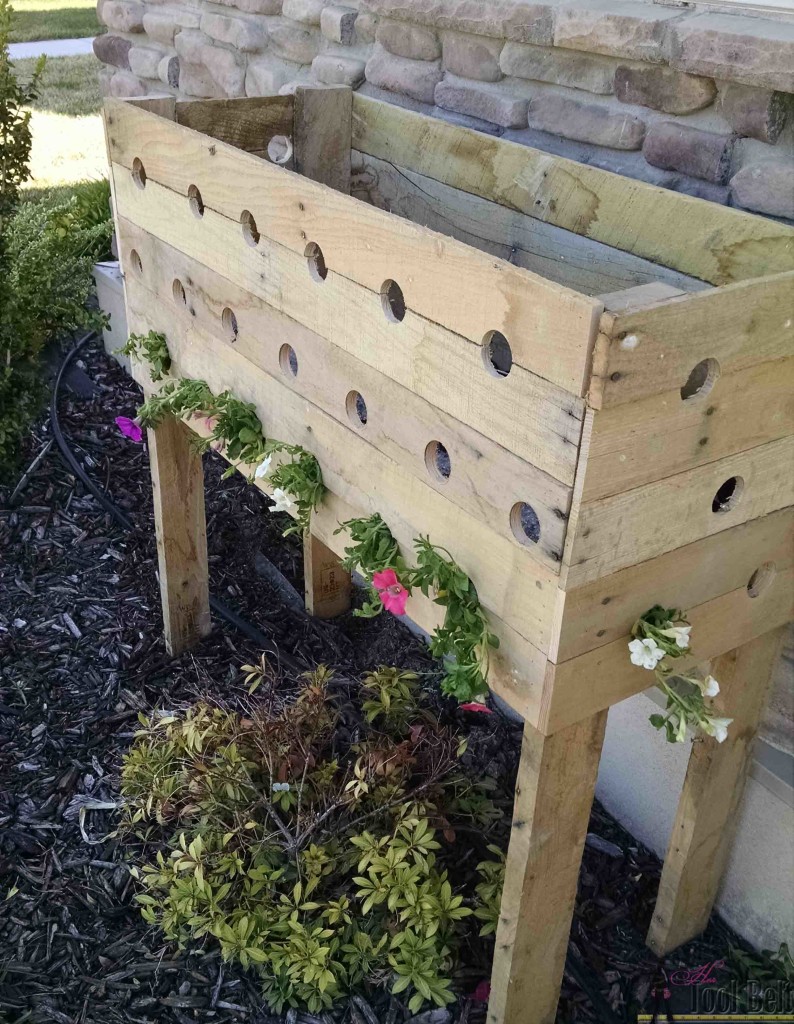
x,y
326,582
178,491
554,794
711,797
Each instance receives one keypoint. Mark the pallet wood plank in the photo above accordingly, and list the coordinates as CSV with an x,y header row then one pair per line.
x,y
537,420
655,349
551,328
629,528
178,495
711,242
719,625
708,809
554,794
362,476
485,478
636,443
321,135
327,582
248,123
605,609
581,263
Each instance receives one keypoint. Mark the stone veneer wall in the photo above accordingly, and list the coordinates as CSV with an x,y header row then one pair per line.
x,y
695,101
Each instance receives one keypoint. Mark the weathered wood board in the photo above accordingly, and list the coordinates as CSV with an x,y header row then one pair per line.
x,y
710,242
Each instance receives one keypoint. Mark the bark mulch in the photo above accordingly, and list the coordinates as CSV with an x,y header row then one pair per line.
x,y
81,654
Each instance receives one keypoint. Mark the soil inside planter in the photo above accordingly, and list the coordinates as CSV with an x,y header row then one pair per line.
x,y
81,654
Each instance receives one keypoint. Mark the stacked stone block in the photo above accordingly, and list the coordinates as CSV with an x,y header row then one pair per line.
x,y
695,101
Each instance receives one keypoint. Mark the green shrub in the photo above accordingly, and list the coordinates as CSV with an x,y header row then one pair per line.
x,y
316,851
88,208
45,282
15,138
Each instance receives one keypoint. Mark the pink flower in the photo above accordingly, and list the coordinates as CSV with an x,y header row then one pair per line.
x,y
482,993
476,706
392,593
129,428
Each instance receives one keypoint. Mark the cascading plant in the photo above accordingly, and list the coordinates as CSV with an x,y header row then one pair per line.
x,y
661,636
151,348
463,639
234,427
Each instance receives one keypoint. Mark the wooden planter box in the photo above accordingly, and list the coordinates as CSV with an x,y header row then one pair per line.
x,y
639,450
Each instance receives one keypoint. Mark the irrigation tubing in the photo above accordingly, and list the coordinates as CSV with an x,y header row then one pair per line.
x,y
220,609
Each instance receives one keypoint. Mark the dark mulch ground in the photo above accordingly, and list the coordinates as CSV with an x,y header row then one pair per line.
x,y
81,654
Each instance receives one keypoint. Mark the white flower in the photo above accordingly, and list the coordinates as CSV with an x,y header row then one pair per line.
x,y
281,787
717,727
710,687
646,653
281,501
263,467
678,633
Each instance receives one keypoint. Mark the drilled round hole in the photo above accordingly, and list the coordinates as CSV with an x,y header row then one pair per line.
x,y
524,523
437,461
279,149
356,409
178,291
497,354
248,224
229,321
728,495
701,380
316,262
195,200
288,361
138,173
761,579
135,261
391,297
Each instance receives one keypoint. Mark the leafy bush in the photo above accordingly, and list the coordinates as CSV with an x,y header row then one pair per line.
x,y
15,137
760,980
45,282
313,843
88,208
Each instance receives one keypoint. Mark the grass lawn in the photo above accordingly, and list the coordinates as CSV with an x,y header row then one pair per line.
x,y
52,19
68,142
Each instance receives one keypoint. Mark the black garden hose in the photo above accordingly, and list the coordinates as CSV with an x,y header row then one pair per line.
x,y
244,627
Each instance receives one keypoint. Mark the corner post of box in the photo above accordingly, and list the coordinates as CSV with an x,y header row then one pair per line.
x,y
322,135
711,797
180,524
322,130
554,796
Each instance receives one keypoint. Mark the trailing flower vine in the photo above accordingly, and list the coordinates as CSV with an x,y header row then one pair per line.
x,y
464,634
463,640
233,425
661,636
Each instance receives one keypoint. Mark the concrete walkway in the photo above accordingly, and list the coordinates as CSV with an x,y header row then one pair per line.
x,y
52,48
